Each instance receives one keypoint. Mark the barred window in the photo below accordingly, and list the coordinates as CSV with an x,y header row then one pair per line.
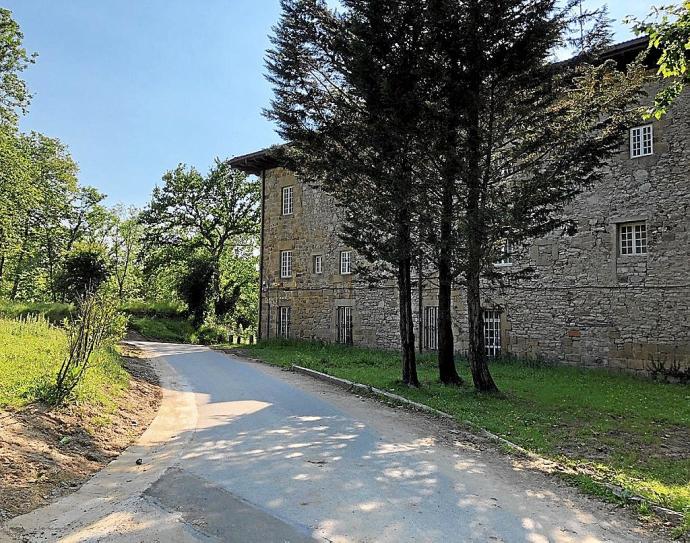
x,y
345,262
344,317
431,328
284,321
318,264
492,332
633,238
641,141
287,201
285,264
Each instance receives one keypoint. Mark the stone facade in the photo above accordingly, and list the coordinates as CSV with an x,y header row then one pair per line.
x,y
587,303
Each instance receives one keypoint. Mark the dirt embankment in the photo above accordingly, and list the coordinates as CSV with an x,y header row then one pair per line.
x,y
45,454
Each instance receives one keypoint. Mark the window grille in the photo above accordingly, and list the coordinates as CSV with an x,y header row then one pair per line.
x,y
344,316
287,201
431,328
285,264
318,264
492,332
633,238
641,141
284,321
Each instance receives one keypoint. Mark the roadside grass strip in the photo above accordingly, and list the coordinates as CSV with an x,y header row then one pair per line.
x,y
621,435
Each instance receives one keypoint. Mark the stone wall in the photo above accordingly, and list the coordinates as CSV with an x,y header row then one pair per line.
x,y
586,304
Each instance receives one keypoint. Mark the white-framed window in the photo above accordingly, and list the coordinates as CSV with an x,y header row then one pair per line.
x,y
506,258
632,238
641,141
431,328
285,264
345,262
284,321
318,264
344,324
288,202
492,332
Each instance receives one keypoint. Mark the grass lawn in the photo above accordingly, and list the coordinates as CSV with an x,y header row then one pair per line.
x,y
31,351
618,428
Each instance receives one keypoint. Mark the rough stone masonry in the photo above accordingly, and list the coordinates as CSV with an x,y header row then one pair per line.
x,y
616,294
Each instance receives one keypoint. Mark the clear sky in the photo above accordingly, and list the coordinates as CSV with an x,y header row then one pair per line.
x,y
135,87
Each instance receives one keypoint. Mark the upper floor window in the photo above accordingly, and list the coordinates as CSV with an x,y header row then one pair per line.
x,y
345,262
506,258
318,264
285,264
288,202
633,238
641,141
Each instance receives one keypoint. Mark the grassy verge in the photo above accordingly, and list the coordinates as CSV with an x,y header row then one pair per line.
x,y
613,427
54,312
31,351
163,329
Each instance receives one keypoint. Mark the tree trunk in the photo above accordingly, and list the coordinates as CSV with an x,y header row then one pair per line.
x,y
409,361
446,360
420,302
20,263
481,376
2,270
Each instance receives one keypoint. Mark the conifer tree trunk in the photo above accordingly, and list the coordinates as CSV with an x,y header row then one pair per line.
x,y
446,361
409,362
404,277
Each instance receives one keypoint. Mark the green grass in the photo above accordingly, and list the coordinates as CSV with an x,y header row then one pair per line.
x,y
142,308
164,329
613,427
54,312
31,351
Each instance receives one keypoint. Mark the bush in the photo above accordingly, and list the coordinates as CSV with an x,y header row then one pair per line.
x,y
97,325
210,334
84,270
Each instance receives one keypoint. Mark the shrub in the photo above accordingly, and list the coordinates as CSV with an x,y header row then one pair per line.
x,y
97,324
209,334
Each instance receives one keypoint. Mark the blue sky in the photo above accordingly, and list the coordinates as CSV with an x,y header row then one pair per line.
x,y
135,87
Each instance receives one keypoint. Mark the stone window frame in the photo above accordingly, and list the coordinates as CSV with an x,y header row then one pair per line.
x,y
346,262
286,264
317,264
288,200
639,140
636,233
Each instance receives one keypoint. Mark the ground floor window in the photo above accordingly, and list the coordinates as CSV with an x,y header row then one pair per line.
x,y
492,332
344,317
431,328
284,321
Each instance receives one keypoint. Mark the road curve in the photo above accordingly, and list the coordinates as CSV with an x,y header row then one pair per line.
x,y
249,453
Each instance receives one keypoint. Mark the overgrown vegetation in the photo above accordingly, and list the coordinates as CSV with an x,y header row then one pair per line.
x,y
614,427
31,353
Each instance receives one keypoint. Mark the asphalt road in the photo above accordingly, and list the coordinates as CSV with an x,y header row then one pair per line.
x,y
272,456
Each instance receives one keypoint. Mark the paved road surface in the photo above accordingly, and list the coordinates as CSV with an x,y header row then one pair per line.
x,y
248,453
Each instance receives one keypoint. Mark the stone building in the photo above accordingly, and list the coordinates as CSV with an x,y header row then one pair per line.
x,y
616,294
